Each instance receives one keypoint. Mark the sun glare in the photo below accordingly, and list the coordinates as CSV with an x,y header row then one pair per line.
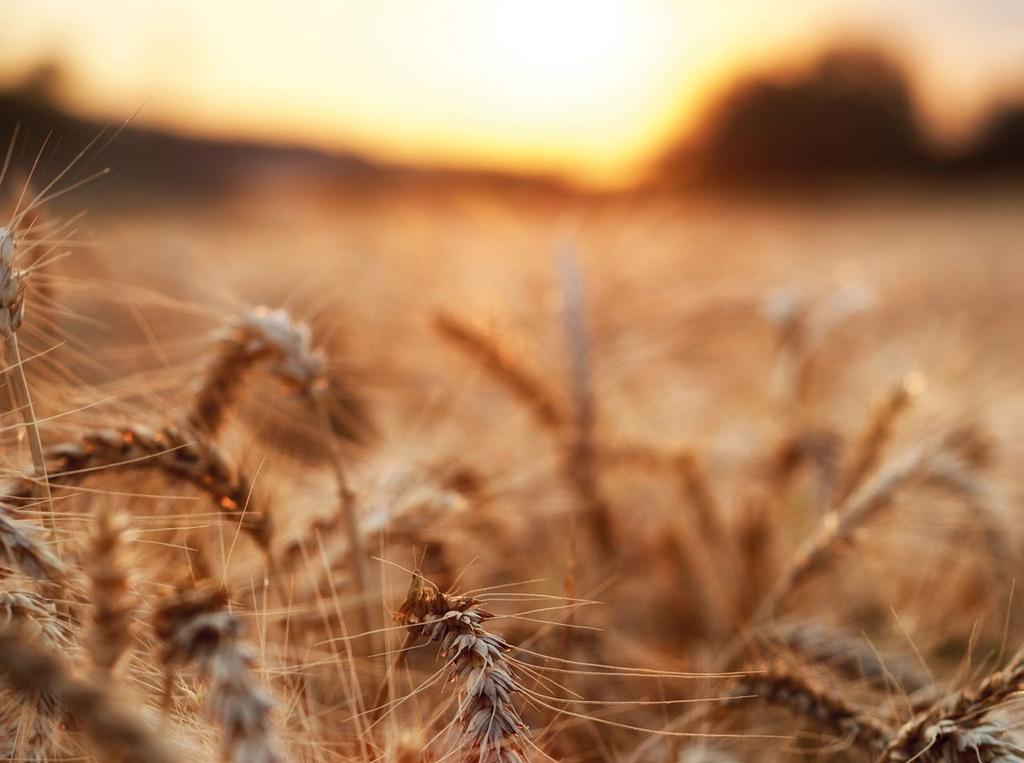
x,y
572,77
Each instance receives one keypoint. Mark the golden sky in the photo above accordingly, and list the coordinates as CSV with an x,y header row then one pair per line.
x,y
593,89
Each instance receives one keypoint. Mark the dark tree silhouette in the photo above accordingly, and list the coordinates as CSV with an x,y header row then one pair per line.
x,y
1000,143
850,113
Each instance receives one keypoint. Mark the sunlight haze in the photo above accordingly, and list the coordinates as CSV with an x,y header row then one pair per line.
x,y
593,89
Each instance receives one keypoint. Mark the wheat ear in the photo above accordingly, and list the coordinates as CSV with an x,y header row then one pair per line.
x,y
838,527
877,435
34,618
113,728
34,615
111,630
847,654
504,368
195,626
261,334
21,547
574,433
12,312
181,454
489,722
799,692
955,728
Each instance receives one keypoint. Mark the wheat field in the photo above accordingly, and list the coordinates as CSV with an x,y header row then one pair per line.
x,y
479,477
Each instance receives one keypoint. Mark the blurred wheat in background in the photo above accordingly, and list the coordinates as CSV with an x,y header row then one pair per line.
x,y
495,408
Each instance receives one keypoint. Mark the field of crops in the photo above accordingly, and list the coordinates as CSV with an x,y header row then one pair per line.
x,y
473,476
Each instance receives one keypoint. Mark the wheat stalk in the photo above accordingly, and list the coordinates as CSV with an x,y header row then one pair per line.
x,y
579,454
195,626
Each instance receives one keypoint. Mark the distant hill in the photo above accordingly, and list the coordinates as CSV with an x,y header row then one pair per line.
x,y
149,162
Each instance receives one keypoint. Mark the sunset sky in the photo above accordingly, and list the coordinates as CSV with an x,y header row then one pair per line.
x,y
593,89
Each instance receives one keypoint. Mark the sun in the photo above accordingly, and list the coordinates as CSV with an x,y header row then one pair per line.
x,y
555,46
564,81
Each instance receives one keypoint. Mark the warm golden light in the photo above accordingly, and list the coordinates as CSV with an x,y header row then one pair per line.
x,y
587,88
593,89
